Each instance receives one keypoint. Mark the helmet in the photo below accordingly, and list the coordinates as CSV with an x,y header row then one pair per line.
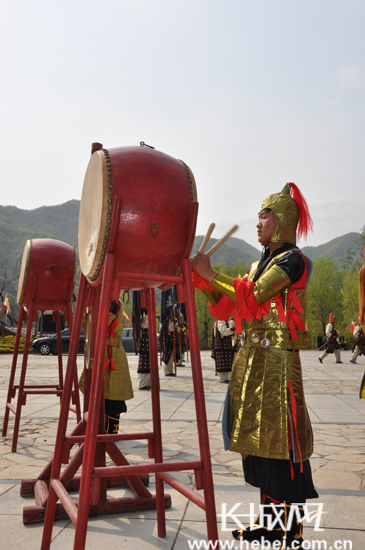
x,y
290,210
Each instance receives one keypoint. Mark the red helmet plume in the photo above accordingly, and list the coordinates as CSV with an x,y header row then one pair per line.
x,y
305,222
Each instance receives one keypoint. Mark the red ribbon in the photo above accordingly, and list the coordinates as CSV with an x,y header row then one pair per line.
x,y
110,363
280,308
223,309
294,411
199,282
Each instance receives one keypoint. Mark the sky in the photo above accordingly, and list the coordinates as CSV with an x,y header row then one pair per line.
x,y
250,94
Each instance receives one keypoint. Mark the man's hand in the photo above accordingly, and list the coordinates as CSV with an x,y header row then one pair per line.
x,y
201,263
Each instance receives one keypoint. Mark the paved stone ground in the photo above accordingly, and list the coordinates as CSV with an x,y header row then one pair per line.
x,y
338,465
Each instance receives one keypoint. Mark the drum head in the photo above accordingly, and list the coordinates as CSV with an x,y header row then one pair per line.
x,y
94,219
24,272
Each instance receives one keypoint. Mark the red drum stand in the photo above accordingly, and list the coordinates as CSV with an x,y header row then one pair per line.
x,y
95,444
23,389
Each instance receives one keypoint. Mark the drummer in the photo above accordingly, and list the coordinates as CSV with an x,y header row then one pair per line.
x,y
169,339
117,381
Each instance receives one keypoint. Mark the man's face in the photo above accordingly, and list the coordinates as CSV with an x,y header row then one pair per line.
x,y
265,226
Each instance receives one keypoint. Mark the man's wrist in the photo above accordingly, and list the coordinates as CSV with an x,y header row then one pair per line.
x,y
212,276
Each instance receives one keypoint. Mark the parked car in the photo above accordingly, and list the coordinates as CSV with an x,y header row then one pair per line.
x,y
48,344
128,341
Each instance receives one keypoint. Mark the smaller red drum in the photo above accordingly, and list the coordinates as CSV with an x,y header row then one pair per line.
x,y
47,274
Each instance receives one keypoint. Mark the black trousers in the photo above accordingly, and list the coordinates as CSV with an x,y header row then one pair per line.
x,y
273,477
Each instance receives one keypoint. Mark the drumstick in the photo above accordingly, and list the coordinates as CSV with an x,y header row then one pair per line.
x,y
221,241
207,237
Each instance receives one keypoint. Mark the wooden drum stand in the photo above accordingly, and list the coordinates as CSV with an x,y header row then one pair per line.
x,y
46,282
94,442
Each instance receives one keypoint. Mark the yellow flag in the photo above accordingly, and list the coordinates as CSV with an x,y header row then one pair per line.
x,y
6,304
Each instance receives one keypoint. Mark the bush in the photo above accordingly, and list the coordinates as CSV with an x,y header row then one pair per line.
x,y
7,344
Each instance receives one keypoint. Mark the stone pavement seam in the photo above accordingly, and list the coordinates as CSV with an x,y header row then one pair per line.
x,y
181,404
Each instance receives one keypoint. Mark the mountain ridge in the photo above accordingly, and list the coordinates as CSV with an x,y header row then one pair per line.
x,y
61,222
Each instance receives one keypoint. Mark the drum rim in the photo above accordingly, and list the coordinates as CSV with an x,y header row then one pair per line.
x,y
191,178
20,296
106,217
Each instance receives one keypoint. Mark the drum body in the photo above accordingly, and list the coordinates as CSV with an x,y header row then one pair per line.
x,y
47,274
155,226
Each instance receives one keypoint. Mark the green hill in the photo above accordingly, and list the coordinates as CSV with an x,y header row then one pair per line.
x,y
245,247
13,239
336,248
61,221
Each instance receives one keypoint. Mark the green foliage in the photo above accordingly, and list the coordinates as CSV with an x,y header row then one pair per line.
x,y
324,296
350,296
233,270
7,344
205,320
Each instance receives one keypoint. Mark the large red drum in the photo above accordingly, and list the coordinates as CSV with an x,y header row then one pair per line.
x,y
157,222
47,274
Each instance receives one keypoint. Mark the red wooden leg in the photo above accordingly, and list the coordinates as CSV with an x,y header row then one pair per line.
x,y
156,411
76,381
202,426
59,351
13,369
22,378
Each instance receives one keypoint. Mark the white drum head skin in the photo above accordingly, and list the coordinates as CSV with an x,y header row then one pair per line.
x,y
24,272
94,220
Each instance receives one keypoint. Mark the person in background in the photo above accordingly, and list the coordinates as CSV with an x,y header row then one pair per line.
x,y
143,370
332,346
359,347
223,349
169,340
184,337
141,341
117,381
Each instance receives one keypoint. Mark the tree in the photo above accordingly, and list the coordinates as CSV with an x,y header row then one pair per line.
x,y
350,297
8,285
324,295
350,303
205,320
7,279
